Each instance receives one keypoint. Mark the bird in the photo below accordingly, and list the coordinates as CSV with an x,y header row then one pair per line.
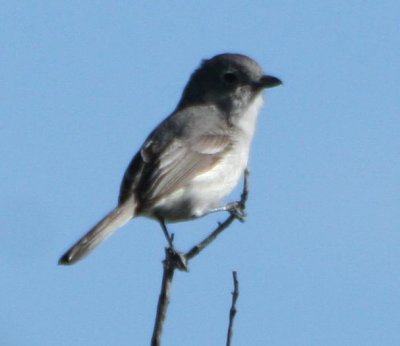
x,y
195,157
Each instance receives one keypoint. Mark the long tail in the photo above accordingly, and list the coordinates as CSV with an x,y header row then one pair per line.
x,y
106,227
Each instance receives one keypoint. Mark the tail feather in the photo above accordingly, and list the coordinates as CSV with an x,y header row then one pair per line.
x,y
106,227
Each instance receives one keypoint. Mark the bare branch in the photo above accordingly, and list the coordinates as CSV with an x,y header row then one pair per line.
x,y
163,300
195,250
233,311
176,260
245,193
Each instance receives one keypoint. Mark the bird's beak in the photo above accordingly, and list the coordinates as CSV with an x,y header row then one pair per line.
x,y
268,82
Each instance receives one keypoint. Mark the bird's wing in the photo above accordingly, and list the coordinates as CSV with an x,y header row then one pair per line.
x,y
158,170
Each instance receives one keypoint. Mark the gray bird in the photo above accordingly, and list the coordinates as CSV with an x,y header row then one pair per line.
x,y
195,157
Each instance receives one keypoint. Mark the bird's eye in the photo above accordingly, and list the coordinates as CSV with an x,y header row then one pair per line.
x,y
229,78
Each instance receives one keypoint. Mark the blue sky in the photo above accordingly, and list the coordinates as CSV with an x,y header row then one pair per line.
x,y
83,83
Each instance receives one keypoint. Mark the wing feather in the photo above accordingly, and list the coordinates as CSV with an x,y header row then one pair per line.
x,y
176,167
174,154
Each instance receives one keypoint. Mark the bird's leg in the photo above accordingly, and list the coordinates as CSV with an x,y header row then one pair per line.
x,y
170,238
179,260
236,209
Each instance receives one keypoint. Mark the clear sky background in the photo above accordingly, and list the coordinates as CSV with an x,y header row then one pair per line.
x,y
83,83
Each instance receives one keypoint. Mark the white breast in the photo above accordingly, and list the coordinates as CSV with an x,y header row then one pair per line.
x,y
206,190
213,186
247,121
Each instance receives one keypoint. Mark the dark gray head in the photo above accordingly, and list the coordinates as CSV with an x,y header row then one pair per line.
x,y
226,80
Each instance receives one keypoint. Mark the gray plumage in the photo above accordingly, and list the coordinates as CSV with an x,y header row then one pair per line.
x,y
196,156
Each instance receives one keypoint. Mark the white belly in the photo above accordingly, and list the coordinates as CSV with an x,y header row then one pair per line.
x,y
207,190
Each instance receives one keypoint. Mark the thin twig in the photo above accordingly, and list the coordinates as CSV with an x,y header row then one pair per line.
x,y
233,310
245,192
163,300
176,260
195,250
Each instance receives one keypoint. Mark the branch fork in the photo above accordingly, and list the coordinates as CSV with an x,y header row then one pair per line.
x,y
179,260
